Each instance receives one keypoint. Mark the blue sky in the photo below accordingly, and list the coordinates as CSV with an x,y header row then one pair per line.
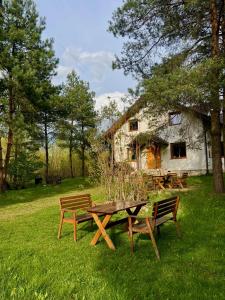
x,y
82,43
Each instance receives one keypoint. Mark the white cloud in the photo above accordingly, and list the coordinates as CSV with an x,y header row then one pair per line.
x,y
62,71
104,99
94,65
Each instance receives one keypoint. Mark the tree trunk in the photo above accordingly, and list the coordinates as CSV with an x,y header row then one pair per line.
x,y
82,152
2,181
224,128
223,53
83,160
71,161
15,176
46,151
218,182
71,151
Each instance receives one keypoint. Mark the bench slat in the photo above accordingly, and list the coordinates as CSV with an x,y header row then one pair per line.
x,y
170,207
75,200
74,206
166,203
76,203
166,200
164,213
76,197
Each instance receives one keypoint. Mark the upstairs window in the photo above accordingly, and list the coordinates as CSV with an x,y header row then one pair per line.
x,y
174,118
178,150
133,125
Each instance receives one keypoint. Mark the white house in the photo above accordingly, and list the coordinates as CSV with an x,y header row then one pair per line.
x,y
177,141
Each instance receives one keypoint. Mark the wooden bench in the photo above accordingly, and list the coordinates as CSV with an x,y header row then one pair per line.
x,y
74,205
163,211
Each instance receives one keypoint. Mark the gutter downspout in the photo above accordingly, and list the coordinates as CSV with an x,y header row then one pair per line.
x,y
206,153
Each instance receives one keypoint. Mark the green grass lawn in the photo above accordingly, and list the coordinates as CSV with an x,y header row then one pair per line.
x,y
35,265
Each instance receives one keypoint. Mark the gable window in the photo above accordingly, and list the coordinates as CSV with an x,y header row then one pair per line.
x,y
133,125
178,150
174,118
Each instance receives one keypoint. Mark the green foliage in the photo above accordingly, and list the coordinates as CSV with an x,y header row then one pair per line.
x,y
23,168
160,27
27,62
109,113
180,87
80,117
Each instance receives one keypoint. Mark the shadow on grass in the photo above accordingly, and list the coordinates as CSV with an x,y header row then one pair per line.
x,y
30,194
188,266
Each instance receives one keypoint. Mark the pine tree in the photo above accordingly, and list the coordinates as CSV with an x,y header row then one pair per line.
x,y
27,64
190,30
78,104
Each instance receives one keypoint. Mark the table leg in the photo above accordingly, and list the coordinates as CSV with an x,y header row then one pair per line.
x,y
101,231
136,211
161,186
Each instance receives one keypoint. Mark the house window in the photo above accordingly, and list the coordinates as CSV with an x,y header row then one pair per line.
x,y
178,150
174,118
131,153
133,125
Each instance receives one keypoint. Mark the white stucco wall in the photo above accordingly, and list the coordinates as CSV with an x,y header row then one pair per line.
x,y
189,131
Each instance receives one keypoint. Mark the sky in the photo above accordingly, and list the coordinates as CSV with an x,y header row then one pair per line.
x,y
82,43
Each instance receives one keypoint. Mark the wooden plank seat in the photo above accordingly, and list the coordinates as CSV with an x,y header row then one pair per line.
x,y
74,205
163,211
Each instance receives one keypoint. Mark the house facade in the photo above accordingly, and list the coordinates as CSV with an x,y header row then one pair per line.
x,y
177,141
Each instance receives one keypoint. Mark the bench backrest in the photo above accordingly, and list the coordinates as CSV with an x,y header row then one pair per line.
x,y
76,202
165,207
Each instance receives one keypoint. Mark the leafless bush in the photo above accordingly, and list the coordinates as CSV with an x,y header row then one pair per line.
x,y
119,180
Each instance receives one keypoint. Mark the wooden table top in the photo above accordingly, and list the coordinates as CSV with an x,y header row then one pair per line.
x,y
114,207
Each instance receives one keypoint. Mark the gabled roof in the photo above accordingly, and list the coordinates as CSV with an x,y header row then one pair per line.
x,y
131,111
142,103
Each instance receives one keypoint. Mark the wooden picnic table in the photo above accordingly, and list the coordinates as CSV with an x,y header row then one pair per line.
x,y
109,210
169,180
159,181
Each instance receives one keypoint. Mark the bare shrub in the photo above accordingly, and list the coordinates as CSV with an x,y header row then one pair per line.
x,y
119,180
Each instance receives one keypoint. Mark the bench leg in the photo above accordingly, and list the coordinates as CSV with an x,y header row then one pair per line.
x,y
74,227
178,229
158,230
60,225
131,236
91,223
153,240
75,231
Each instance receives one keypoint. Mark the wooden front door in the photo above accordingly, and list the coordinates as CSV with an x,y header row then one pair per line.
x,y
153,157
